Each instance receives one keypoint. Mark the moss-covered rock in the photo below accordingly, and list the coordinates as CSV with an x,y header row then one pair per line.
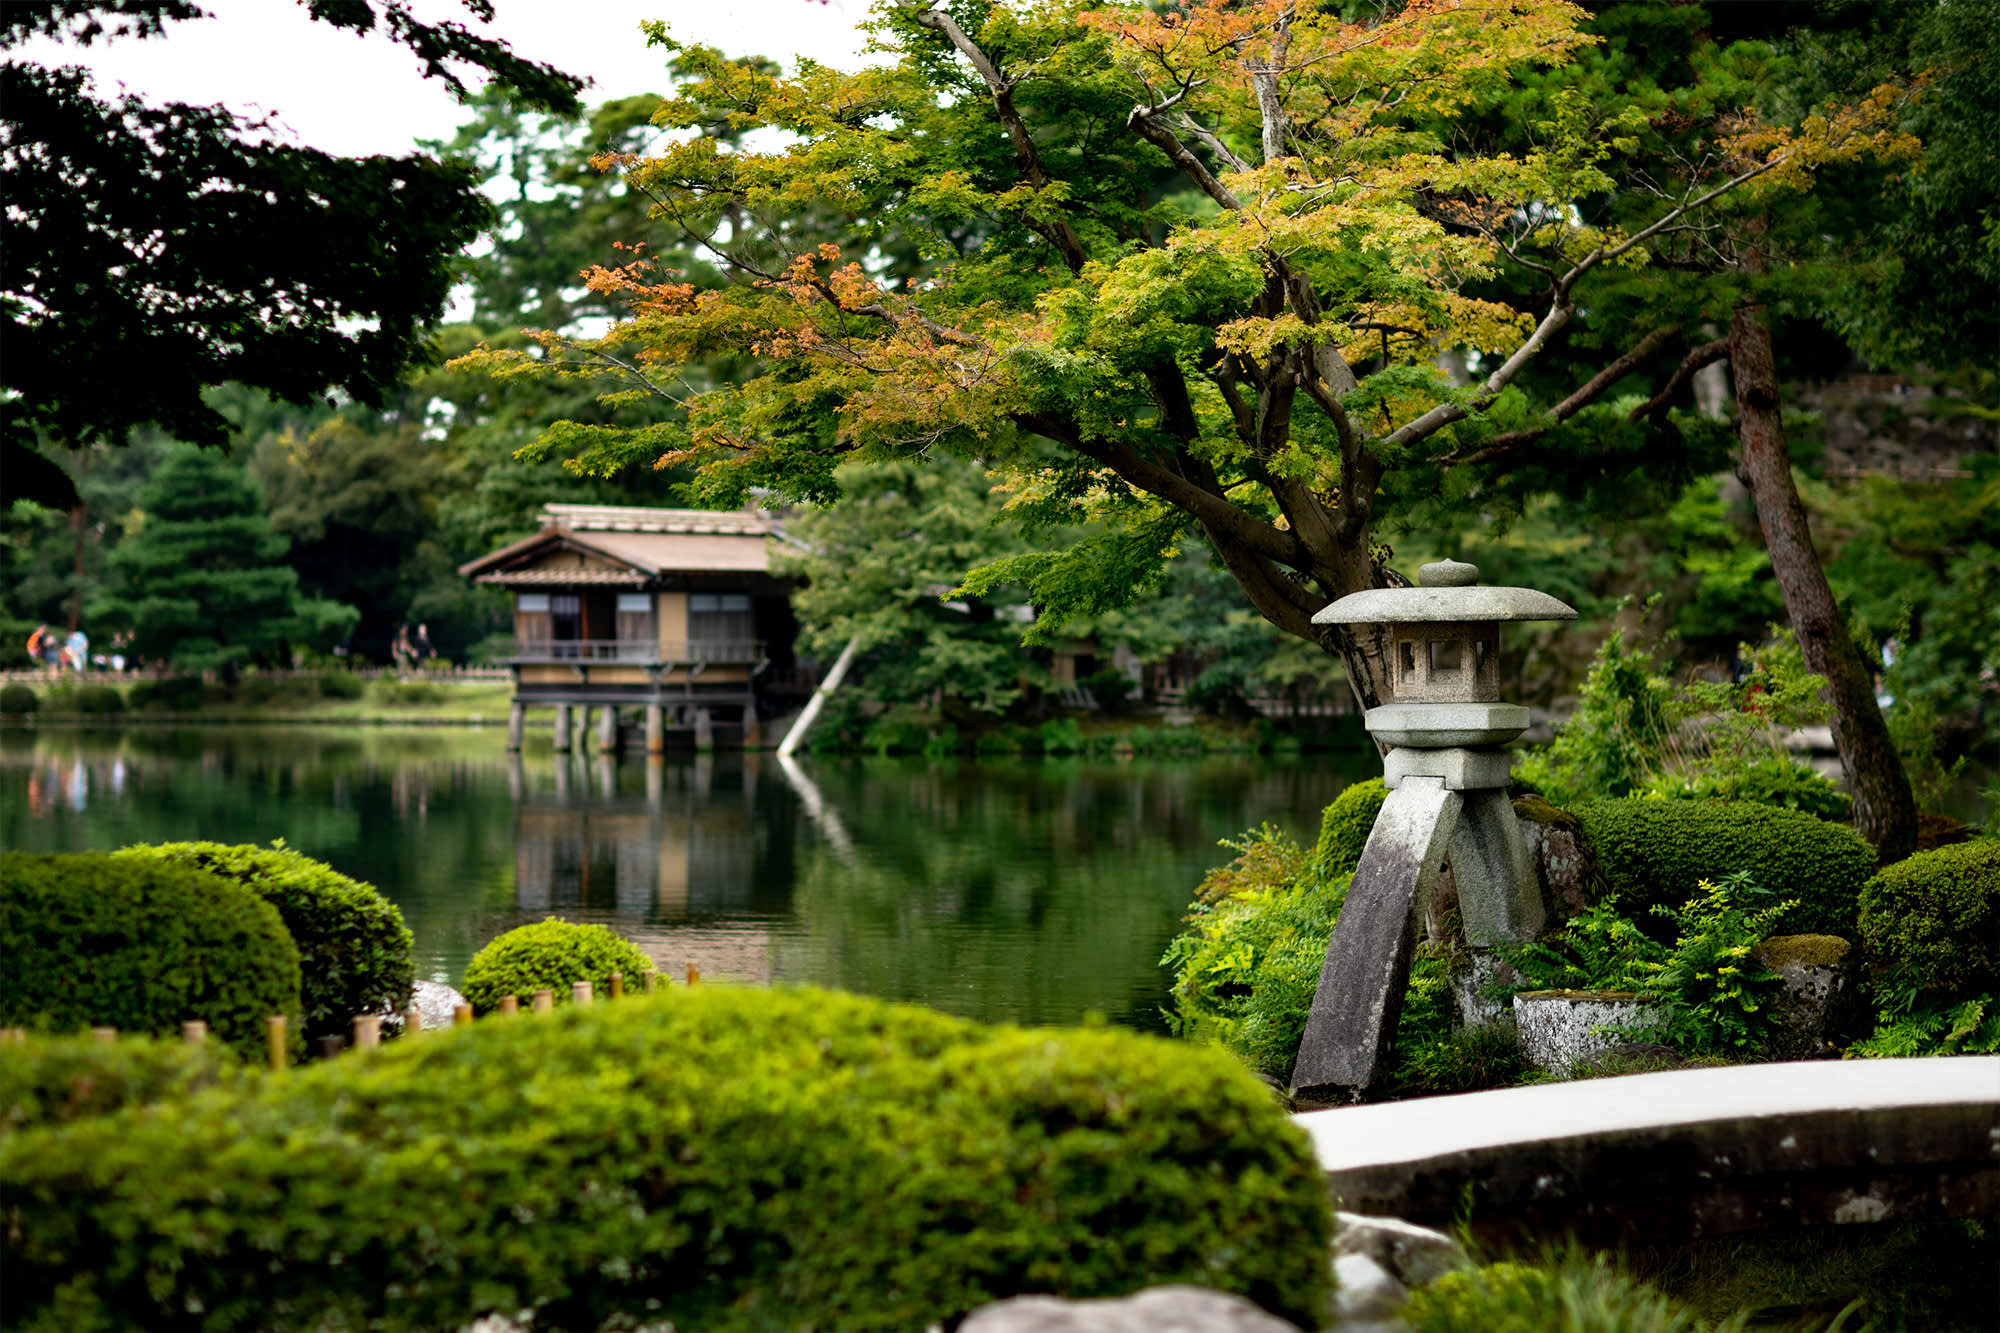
x,y
1344,827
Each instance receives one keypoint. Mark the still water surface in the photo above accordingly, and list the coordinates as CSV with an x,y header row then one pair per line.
x,y
1025,891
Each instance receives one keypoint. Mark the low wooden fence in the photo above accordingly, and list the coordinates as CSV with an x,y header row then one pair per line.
x,y
368,1027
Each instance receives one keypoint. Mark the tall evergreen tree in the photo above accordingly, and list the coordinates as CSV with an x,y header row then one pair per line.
x,y
201,583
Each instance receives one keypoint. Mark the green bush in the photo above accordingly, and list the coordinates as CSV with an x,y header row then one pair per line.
x,y
549,954
354,950
54,1080
721,1158
99,700
1932,922
18,699
1770,780
1577,1293
93,940
1655,853
181,693
408,693
342,685
1345,825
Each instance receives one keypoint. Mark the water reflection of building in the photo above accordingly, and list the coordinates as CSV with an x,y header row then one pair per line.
x,y
672,867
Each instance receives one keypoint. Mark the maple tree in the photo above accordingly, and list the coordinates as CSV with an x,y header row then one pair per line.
x,y
1213,252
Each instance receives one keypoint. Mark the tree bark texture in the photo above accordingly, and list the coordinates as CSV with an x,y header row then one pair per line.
x,y
1885,812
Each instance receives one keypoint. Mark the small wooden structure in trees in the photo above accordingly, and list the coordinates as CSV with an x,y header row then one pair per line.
x,y
671,611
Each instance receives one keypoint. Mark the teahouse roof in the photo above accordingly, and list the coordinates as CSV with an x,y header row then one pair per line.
x,y
648,542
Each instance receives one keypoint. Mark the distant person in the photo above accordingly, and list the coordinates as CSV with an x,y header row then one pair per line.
x,y
35,643
425,653
119,643
52,651
77,650
402,650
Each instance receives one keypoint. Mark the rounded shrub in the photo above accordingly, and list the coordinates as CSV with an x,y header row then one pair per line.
x,y
551,955
1655,853
99,700
54,1080
1933,921
1344,827
18,698
181,693
355,953
90,940
724,1159
342,685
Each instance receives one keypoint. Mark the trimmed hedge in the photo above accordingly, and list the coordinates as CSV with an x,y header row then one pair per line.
x,y
727,1159
1933,920
88,939
1655,853
355,954
55,1080
553,954
1344,827
18,698
98,700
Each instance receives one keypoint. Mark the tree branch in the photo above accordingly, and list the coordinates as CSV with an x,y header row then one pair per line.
x,y
1058,233
1704,355
1508,442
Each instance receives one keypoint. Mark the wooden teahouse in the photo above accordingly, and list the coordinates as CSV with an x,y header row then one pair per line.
x,y
672,611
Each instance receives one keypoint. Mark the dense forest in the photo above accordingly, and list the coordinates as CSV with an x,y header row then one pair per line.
x,y
1617,468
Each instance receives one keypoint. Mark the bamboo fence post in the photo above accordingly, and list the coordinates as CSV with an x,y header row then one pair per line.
x,y
545,1001
413,1021
194,1031
274,1041
510,1005
461,1016
617,985
367,1031
694,973
580,994
105,1034
652,982
13,1036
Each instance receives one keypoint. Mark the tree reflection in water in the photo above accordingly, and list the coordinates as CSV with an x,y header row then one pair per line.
x,y
1016,890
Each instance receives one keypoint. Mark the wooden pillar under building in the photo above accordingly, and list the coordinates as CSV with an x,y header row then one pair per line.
x,y
656,729
562,727
607,728
517,722
704,730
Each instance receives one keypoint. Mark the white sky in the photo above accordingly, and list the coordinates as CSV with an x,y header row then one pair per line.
x,y
353,95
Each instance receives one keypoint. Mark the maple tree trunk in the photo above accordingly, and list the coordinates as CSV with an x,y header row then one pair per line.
x,y
1885,813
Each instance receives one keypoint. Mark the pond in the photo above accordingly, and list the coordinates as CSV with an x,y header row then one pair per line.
x,y
1023,891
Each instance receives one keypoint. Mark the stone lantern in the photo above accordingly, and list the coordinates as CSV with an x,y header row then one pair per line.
x,y
1447,776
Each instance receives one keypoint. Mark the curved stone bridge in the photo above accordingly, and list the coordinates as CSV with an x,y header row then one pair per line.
x,y
1674,1155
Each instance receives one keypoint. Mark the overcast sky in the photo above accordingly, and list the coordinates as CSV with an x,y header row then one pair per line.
x,y
354,95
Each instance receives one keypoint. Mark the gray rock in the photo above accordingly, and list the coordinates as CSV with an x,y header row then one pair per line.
x,y
435,1001
1365,1290
1815,974
1561,1030
1415,1256
1169,1309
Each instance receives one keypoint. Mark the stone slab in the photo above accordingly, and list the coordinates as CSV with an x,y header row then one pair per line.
x,y
1689,1152
1459,768
1360,994
1441,726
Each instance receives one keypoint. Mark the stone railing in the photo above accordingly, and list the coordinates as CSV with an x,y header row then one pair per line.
x,y
638,652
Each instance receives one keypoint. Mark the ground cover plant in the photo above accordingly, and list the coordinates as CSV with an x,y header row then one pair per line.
x,y
725,1159
551,955
88,939
354,950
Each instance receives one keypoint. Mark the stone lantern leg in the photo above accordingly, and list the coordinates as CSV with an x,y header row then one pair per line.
x,y
1447,773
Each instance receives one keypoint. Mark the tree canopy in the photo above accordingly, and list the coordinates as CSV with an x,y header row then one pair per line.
x,y
1213,252
150,252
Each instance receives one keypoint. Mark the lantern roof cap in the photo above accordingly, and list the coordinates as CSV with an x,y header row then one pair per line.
x,y
1446,591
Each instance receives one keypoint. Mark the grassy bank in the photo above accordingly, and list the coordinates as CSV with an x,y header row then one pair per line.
x,y
336,698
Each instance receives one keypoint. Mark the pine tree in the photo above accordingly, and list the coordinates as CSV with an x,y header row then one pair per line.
x,y
200,578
